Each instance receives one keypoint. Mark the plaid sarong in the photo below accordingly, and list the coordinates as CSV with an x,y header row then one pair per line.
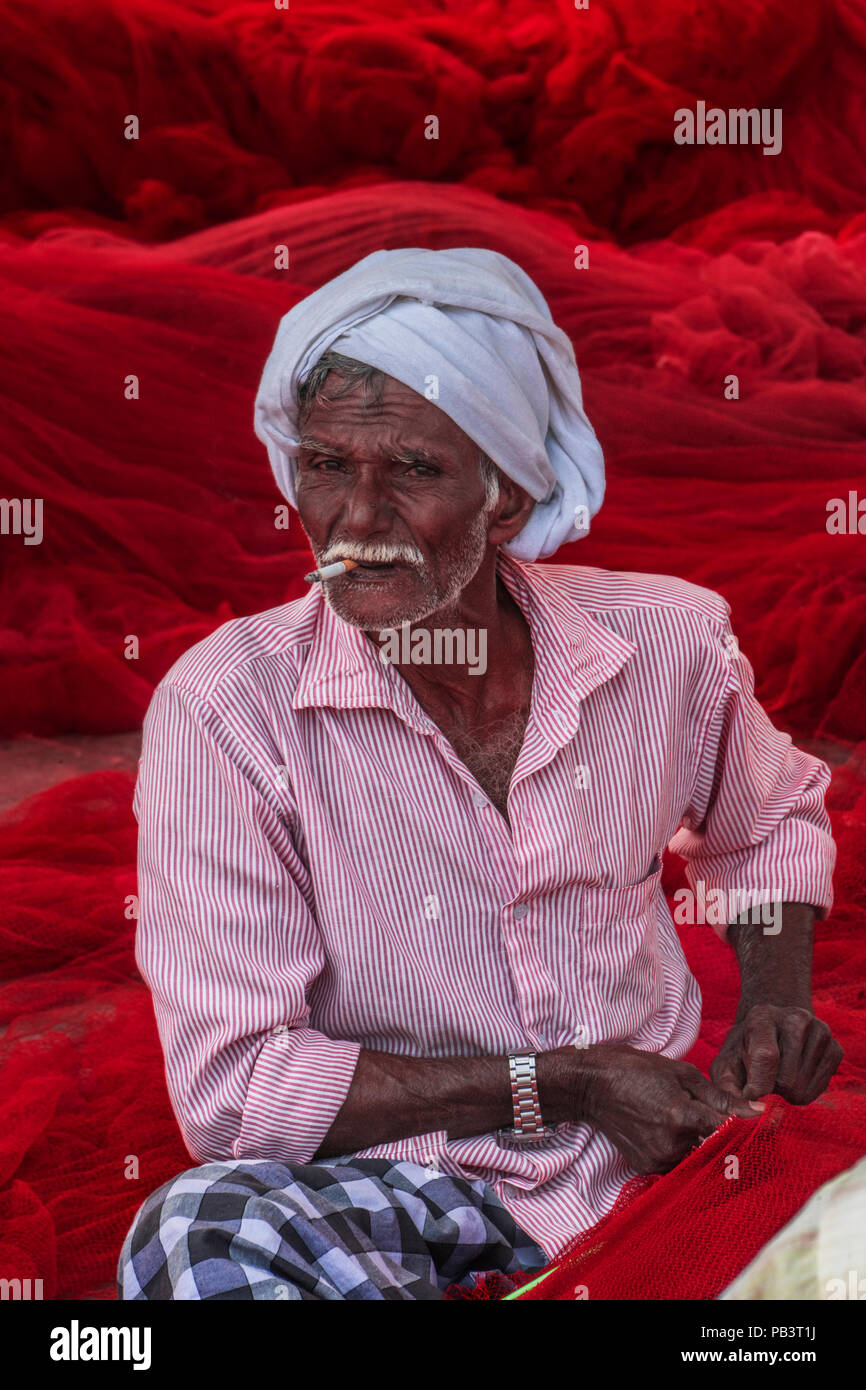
x,y
366,1228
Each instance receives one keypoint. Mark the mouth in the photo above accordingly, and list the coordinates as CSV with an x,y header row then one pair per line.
x,y
373,574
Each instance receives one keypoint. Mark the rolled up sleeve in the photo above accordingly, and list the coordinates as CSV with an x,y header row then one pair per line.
x,y
228,944
756,827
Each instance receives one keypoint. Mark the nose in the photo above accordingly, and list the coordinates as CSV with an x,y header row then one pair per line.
x,y
365,513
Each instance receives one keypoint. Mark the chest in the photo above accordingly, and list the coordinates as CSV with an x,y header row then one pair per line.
x,y
488,739
489,749
372,792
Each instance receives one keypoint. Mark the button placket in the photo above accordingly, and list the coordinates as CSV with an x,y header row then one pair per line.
x,y
526,984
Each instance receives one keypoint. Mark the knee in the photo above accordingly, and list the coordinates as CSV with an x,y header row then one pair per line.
x,y
162,1221
194,1215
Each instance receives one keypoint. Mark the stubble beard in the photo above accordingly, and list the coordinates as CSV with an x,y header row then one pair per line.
x,y
456,566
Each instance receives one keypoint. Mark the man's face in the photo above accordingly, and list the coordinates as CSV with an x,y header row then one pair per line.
x,y
397,483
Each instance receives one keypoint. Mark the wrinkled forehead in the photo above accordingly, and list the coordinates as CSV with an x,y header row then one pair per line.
x,y
388,415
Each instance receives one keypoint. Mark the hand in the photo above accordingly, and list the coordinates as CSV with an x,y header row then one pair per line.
x,y
653,1109
780,1049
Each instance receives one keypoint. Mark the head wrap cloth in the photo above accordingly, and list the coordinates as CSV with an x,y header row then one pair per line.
x,y
506,375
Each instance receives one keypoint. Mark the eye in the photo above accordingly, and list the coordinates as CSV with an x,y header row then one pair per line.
x,y
426,466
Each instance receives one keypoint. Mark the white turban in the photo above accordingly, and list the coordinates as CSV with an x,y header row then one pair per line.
x,y
468,329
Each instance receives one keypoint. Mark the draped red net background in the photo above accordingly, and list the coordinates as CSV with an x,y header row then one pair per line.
x,y
156,257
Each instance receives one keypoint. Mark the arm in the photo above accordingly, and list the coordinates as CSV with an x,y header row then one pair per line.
x,y
653,1109
776,1044
228,944
757,830
775,966
393,1097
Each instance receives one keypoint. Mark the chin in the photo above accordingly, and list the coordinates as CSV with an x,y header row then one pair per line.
x,y
365,612
377,608
373,615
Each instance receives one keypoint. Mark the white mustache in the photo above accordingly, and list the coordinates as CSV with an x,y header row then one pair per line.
x,y
370,554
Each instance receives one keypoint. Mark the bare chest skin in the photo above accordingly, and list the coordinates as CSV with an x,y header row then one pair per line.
x,y
491,752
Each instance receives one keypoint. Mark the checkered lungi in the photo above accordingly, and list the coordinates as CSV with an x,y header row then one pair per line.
x,y
348,1227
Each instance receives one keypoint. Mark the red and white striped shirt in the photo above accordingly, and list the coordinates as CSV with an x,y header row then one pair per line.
x,y
319,872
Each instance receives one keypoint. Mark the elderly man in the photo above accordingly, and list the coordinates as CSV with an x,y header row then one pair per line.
x,y
422,1000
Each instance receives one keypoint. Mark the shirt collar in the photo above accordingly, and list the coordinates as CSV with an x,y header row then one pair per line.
x,y
573,654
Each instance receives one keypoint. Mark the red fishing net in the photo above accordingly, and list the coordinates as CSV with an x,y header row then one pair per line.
x,y
688,1233
262,129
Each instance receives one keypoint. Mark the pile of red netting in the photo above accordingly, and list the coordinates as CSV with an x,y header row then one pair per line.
x,y
155,258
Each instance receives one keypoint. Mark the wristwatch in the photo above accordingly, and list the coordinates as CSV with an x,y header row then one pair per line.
x,y
529,1128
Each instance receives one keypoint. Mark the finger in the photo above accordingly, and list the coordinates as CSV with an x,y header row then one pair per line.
x,y
699,1121
723,1102
761,1058
815,1044
801,1087
794,1034
821,1059
815,1087
728,1073
832,1057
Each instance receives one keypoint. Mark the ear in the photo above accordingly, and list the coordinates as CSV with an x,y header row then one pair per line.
x,y
511,512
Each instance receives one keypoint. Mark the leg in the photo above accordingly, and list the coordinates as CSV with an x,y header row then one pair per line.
x,y
368,1228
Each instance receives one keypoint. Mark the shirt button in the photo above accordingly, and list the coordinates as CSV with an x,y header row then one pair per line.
x,y
520,910
561,717
479,799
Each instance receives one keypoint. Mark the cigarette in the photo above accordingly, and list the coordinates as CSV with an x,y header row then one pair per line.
x,y
330,571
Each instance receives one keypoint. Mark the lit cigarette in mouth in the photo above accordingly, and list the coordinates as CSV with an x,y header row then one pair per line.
x,y
330,571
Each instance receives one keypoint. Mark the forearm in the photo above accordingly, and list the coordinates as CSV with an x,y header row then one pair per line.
x,y
775,967
394,1097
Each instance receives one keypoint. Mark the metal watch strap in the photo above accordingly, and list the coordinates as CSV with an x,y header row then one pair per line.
x,y
529,1127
